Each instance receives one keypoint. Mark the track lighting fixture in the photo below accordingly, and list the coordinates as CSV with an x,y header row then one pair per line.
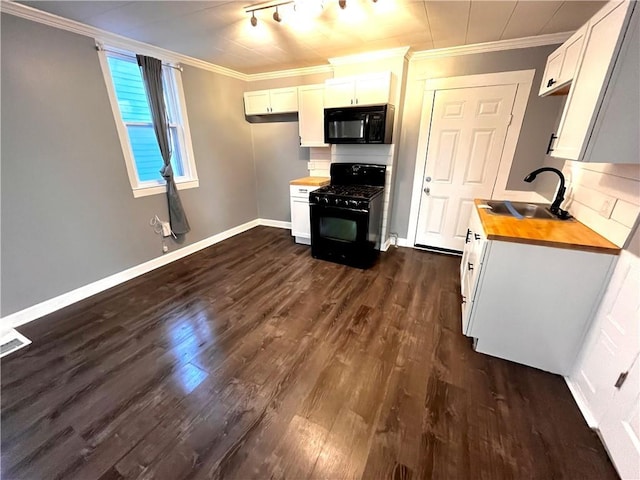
x,y
307,6
252,9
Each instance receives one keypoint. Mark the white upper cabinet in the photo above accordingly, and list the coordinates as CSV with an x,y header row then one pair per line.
x,y
257,102
562,64
339,92
593,85
371,89
552,72
311,115
277,100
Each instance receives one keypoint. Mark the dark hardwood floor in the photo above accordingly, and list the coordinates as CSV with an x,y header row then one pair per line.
x,y
250,359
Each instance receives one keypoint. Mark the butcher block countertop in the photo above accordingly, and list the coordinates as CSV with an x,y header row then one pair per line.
x,y
311,181
569,234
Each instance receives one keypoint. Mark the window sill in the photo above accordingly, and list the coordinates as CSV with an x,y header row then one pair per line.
x,y
157,189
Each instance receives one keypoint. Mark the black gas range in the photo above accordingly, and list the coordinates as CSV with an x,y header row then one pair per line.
x,y
346,216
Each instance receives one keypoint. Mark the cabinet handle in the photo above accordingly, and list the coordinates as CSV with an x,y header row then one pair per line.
x,y
470,266
356,101
477,237
426,190
553,137
464,299
621,379
551,82
352,101
466,239
300,139
302,190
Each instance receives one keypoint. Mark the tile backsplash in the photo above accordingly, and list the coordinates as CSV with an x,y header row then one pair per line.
x,y
605,197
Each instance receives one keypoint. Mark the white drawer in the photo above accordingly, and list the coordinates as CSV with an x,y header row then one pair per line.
x,y
301,190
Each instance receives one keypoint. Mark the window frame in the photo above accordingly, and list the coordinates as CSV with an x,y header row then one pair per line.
x,y
173,78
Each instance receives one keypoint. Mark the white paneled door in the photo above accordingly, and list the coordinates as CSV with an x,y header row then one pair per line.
x,y
466,138
620,427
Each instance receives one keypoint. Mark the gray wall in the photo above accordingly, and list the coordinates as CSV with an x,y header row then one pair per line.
x,y
277,153
278,160
539,121
68,214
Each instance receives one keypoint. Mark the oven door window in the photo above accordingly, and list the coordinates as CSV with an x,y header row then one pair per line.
x,y
346,129
341,229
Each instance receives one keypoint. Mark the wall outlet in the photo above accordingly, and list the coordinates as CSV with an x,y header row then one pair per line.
x,y
166,229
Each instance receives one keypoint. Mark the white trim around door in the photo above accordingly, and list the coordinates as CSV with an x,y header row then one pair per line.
x,y
524,81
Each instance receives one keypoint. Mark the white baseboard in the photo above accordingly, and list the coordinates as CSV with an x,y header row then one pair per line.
x,y
582,404
274,223
403,242
49,306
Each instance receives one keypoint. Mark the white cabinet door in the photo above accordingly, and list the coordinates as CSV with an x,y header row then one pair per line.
x,y
572,50
339,92
620,429
562,64
257,103
602,40
300,225
284,100
373,89
552,72
311,115
300,215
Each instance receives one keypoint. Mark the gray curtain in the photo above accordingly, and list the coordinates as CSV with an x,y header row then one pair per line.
x,y
152,75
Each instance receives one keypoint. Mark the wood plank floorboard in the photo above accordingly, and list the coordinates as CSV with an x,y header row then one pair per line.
x,y
250,359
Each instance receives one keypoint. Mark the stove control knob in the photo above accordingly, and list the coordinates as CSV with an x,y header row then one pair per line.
x,y
340,202
324,200
353,203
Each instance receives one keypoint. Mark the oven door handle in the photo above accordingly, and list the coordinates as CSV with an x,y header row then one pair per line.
x,y
342,209
365,133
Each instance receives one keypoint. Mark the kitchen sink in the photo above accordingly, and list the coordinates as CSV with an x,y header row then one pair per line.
x,y
527,210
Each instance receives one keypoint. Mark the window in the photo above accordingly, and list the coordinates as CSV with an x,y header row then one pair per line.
x,y
135,128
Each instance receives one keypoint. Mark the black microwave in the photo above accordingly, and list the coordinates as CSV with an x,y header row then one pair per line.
x,y
372,124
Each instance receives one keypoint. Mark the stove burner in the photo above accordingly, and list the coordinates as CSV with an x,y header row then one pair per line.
x,y
360,192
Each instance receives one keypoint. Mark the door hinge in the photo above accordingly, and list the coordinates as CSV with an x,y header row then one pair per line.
x,y
621,379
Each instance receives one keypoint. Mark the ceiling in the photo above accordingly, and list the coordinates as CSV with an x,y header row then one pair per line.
x,y
220,31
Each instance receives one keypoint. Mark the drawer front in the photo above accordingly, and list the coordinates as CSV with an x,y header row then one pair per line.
x,y
301,191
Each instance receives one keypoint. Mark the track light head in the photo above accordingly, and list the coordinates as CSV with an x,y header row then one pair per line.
x,y
254,20
276,16
343,4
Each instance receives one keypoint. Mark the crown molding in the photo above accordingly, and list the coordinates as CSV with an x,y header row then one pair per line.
x,y
525,42
400,52
119,41
112,39
293,72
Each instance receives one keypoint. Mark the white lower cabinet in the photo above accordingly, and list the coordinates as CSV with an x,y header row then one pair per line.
x,y
300,218
527,303
606,380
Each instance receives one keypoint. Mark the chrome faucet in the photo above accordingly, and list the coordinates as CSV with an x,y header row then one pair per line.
x,y
555,206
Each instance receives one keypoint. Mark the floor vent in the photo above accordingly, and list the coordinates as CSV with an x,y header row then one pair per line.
x,y
11,341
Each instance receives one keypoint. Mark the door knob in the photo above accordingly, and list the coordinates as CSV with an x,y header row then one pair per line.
x,y
427,190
